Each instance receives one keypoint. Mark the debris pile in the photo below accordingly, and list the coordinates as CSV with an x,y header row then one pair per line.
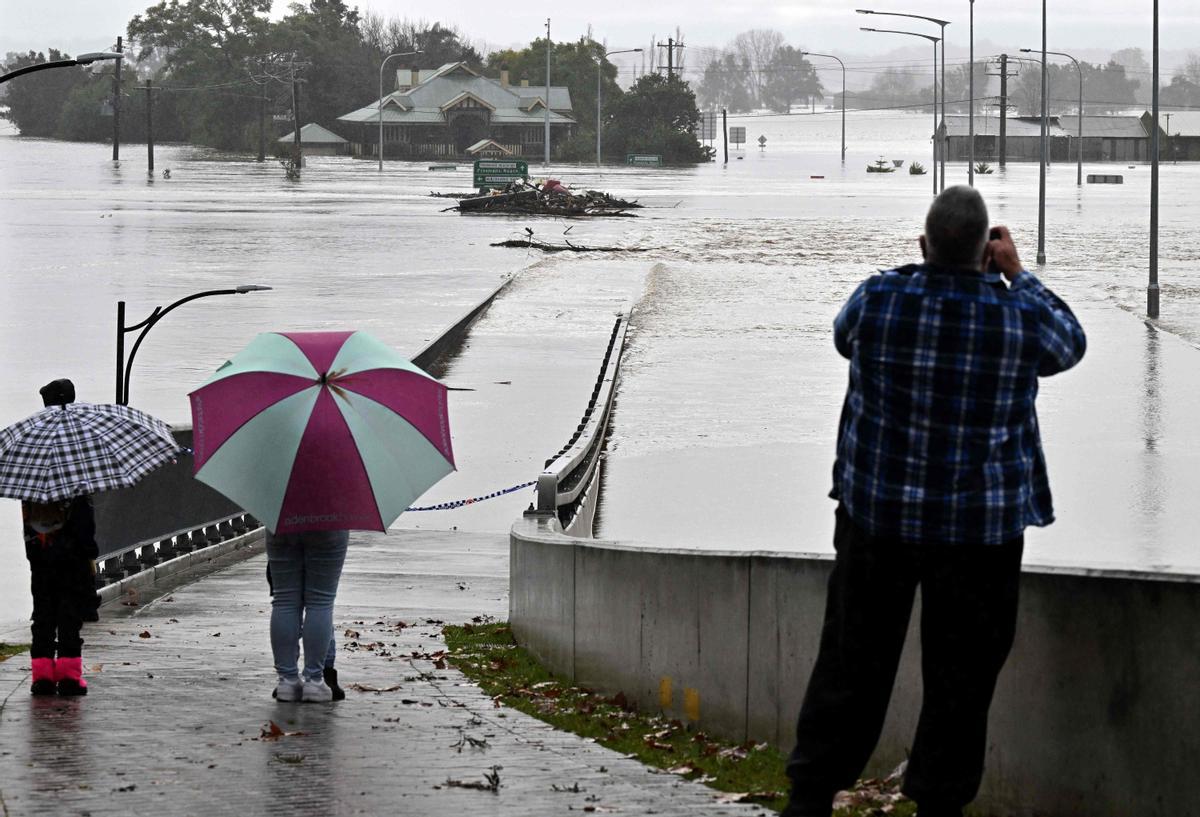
x,y
550,198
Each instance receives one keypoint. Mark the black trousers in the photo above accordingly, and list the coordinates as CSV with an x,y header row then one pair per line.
x,y
58,579
968,619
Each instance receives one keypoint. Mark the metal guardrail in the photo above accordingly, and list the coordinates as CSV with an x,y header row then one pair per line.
x,y
128,561
565,487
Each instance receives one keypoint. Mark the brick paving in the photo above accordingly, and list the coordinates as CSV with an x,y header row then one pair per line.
x,y
173,723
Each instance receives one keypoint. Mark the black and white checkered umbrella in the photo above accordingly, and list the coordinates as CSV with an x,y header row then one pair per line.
x,y
81,448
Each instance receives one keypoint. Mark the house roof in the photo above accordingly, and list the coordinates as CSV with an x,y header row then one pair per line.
x,y
314,134
455,82
488,144
1108,127
1015,127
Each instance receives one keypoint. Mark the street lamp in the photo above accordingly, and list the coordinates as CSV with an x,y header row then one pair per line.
x,y
935,41
82,59
381,66
1152,291
125,368
830,56
599,63
943,24
1079,137
1045,149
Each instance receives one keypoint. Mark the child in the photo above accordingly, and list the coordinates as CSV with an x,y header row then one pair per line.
x,y
60,543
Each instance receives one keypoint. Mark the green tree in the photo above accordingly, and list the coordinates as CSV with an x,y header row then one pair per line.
x,y
789,77
726,84
657,115
36,100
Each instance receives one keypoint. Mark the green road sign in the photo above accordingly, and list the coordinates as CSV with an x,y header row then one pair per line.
x,y
491,173
646,159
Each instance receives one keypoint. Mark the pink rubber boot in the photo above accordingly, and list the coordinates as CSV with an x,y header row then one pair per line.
x,y
44,676
70,676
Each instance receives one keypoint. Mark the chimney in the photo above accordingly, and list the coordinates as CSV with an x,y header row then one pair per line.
x,y
524,82
503,76
416,76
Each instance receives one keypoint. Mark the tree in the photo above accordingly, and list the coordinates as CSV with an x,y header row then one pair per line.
x,y
725,84
790,77
657,115
1181,93
892,86
572,64
36,100
1134,62
439,44
757,48
958,88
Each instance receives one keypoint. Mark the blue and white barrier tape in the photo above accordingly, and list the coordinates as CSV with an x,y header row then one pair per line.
x,y
459,503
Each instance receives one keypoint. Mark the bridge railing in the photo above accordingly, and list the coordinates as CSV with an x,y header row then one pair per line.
x,y
568,487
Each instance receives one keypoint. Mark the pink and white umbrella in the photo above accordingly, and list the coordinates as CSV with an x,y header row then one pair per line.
x,y
321,431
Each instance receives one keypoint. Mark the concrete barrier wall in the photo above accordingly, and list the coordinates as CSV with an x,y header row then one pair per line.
x,y
1095,713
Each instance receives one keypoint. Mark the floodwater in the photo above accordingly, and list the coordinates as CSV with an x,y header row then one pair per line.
x,y
724,429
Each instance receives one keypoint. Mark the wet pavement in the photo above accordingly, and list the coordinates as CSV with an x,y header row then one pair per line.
x,y
180,695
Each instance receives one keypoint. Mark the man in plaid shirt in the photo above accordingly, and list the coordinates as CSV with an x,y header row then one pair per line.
x,y
939,470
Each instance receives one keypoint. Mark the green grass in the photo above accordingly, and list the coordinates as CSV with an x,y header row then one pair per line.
x,y
487,653
9,650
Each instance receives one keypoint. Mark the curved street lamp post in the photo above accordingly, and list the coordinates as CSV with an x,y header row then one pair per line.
x,y
830,56
125,367
935,41
82,59
599,64
1079,134
942,24
381,67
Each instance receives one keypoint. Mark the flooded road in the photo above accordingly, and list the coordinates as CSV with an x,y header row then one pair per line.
x,y
724,429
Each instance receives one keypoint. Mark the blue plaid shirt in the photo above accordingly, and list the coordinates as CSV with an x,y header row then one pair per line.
x,y
938,440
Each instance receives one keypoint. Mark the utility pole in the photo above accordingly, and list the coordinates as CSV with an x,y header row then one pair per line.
x,y
117,105
149,129
297,154
1004,75
670,45
262,125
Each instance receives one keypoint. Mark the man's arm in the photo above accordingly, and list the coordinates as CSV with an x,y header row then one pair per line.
x,y
845,325
1062,339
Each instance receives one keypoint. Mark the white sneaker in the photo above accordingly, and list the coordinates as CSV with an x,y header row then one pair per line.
x,y
288,689
316,691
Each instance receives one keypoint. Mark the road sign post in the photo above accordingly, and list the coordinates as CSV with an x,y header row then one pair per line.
x,y
494,173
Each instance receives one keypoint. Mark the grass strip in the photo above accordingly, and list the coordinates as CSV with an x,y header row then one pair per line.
x,y
487,653
9,650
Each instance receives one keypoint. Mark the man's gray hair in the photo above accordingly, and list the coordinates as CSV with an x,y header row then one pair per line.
x,y
956,228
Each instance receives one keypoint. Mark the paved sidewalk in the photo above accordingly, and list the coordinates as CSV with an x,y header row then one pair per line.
x,y
172,725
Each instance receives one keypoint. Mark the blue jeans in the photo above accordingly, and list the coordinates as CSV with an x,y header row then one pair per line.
x,y
305,569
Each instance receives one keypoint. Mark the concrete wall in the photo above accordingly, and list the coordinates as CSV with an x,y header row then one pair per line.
x,y
1095,713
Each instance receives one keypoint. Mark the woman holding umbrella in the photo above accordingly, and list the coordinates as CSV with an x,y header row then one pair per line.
x,y
317,434
53,461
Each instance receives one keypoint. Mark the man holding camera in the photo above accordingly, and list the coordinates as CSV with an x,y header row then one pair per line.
x,y
939,471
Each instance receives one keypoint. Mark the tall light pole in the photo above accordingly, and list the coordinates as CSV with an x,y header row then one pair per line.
x,y
1045,136
1152,287
124,367
82,59
599,65
1079,136
381,67
830,56
549,46
935,41
971,99
942,24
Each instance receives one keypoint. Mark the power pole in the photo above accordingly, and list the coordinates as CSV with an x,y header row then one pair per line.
x,y
297,154
670,45
117,105
1004,75
149,128
262,125
725,132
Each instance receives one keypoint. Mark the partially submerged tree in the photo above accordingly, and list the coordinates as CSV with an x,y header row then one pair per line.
x,y
658,115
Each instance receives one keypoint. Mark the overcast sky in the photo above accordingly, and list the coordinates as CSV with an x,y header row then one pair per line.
x,y
1092,27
